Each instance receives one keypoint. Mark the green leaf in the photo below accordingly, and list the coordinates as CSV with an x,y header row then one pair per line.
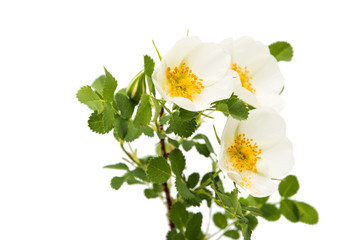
x,y
253,222
237,109
87,96
202,149
282,51
98,84
133,132
96,123
149,66
186,115
119,166
173,235
187,145
125,105
139,173
148,131
143,113
307,213
183,190
108,116
289,209
173,142
117,182
110,85
158,170
220,220
121,127
193,228
179,215
206,139
246,232
256,202
177,161
270,212
193,180
150,193
232,234
289,186
181,127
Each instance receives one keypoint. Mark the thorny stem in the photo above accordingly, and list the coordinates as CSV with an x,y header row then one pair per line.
x,y
165,184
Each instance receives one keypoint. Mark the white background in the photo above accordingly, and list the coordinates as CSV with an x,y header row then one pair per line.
x,y
52,185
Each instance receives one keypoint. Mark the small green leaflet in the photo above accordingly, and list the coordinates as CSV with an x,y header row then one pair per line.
x,y
87,96
117,182
181,127
289,186
110,85
179,215
307,213
119,166
177,161
193,179
270,212
149,66
193,228
98,84
232,234
173,235
96,123
125,105
220,220
108,117
282,51
158,170
289,209
150,193
143,113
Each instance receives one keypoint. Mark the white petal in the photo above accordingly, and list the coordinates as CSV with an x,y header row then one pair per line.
x,y
266,75
230,131
255,184
245,95
277,161
175,56
274,101
209,62
265,126
245,50
189,105
220,90
159,77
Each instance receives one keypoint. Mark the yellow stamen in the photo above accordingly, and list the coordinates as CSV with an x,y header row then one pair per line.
x,y
244,77
181,82
243,155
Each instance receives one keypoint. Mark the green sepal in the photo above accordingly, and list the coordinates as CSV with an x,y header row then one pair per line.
x,y
136,87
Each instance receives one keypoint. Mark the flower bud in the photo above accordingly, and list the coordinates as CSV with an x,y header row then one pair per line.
x,y
136,87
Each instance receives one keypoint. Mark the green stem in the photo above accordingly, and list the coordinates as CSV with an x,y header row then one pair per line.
x,y
135,160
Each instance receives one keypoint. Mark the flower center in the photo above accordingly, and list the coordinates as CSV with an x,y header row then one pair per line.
x,y
244,77
243,154
181,82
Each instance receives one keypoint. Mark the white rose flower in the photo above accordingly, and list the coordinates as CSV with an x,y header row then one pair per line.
x,y
260,78
195,74
255,150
